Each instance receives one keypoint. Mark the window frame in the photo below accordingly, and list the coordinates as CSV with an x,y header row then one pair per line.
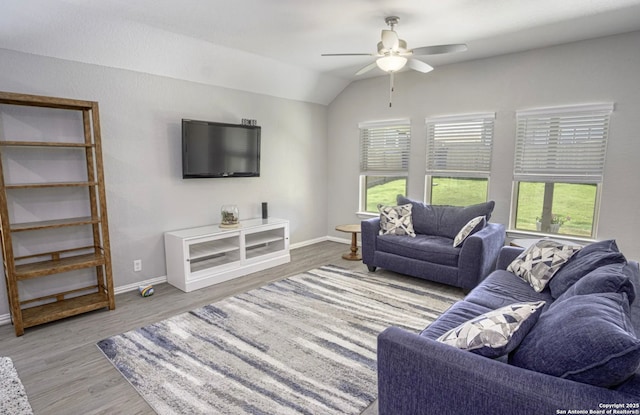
x,y
405,125
481,121
520,175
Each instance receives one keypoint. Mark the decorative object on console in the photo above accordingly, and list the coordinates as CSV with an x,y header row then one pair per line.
x,y
230,216
265,213
538,263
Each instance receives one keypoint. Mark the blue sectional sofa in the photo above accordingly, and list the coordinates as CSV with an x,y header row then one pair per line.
x,y
430,254
574,365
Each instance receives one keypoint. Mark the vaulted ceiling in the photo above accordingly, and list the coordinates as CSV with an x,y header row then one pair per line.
x,y
273,46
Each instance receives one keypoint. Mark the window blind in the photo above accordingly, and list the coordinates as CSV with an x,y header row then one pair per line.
x,y
460,146
562,144
385,147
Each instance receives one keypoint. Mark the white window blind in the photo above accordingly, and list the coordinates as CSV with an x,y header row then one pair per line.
x,y
384,148
562,144
460,146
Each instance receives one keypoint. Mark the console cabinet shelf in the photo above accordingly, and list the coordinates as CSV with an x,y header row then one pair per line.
x,y
199,257
37,143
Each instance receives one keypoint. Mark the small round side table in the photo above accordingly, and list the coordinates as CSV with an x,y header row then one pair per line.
x,y
354,230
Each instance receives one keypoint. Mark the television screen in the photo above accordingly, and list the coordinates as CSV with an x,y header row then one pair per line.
x,y
212,149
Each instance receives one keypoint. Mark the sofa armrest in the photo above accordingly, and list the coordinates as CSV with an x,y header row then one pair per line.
x,y
369,233
479,253
417,375
507,255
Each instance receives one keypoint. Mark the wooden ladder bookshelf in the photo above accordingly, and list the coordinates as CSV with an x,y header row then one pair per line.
x,y
92,257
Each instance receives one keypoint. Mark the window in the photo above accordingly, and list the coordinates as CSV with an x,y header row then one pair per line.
x,y
384,162
559,163
459,159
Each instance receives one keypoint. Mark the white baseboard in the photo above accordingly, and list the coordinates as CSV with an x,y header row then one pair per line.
x,y
6,318
135,285
306,243
340,240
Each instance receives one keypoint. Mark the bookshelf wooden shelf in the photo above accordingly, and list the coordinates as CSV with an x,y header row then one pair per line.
x,y
51,224
94,259
46,185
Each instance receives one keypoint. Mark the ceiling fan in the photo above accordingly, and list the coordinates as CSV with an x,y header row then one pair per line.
x,y
393,54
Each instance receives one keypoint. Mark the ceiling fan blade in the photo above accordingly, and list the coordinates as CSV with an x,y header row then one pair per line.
x,y
438,49
419,66
367,68
390,39
347,54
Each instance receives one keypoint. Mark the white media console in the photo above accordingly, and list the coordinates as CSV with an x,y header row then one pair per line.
x,y
199,257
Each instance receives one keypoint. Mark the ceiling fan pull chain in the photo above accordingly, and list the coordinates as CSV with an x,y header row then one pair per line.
x,y
390,88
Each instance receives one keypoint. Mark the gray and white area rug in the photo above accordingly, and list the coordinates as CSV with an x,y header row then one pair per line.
x,y
13,398
302,345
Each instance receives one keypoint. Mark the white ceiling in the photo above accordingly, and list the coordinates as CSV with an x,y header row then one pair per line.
x,y
274,46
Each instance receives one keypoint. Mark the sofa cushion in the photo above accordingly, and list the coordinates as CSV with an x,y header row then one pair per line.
x,y
496,332
434,249
538,263
586,260
585,338
606,279
396,220
457,314
502,288
443,220
473,226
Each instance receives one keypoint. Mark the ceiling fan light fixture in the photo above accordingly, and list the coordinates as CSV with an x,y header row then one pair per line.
x,y
391,63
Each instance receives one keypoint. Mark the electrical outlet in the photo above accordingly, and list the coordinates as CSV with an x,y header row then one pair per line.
x,y
137,265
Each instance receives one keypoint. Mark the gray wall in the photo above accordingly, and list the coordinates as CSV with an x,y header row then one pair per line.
x,y
146,195
600,70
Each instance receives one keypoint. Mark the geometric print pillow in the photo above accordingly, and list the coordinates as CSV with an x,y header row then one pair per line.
x,y
474,225
497,332
538,263
396,220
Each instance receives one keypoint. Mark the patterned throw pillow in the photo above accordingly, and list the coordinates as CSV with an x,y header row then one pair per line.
x,y
538,263
396,220
495,333
473,226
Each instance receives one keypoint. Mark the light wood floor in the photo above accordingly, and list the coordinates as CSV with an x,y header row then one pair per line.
x,y
63,371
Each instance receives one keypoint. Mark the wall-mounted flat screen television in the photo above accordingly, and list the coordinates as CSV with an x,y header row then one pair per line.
x,y
213,149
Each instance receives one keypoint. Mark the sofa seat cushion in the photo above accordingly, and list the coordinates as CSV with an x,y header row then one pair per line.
x,y
502,288
441,220
434,249
457,314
